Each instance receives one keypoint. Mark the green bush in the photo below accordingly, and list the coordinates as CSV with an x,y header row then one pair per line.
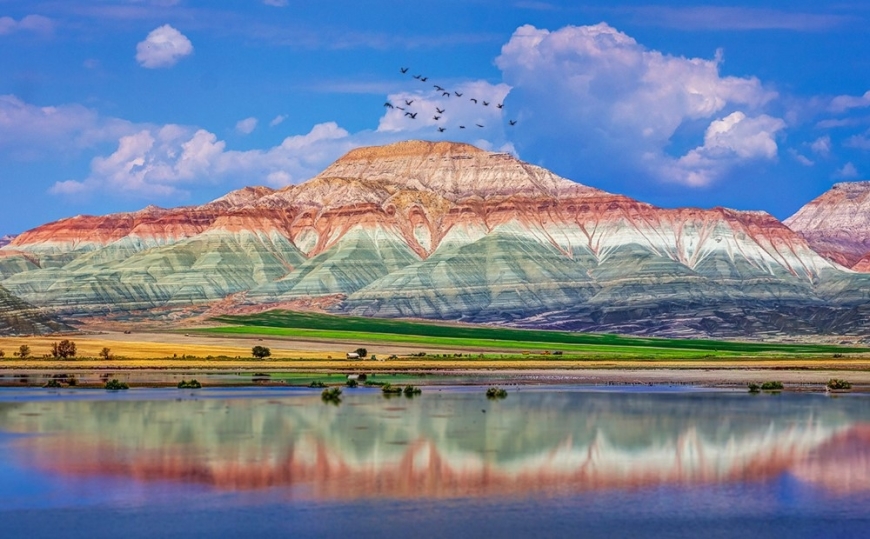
x,y
260,352
389,389
53,383
771,386
496,393
317,384
411,391
754,388
193,384
836,383
332,395
115,385
351,383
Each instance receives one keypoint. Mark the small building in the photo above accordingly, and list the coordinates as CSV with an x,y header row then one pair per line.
x,y
352,355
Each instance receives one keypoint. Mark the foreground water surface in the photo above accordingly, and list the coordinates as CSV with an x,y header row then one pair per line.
x,y
548,461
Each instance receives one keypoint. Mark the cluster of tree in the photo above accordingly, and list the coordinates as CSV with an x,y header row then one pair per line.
x,y
63,349
260,352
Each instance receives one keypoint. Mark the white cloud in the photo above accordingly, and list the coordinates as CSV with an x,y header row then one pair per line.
x,y
607,99
822,146
163,47
29,131
31,23
277,120
246,126
843,103
848,172
800,158
166,161
861,142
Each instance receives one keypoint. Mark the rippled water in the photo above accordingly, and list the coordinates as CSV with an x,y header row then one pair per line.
x,y
449,463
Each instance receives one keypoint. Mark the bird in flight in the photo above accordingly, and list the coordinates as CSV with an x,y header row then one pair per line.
x,y
446,93
436,117
440,111
424,79
408,102
417,77
441,129
478,125
500,105
486,103
412,115
475,100
438,88
400,108
403,69
461,127
513,122
389,105
457,94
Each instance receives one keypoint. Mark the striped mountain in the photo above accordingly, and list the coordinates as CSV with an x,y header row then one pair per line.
x,y
445,231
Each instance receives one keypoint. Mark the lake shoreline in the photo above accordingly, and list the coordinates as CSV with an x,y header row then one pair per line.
x,y
794,379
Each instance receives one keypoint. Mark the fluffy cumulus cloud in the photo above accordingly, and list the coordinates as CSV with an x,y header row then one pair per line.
x,y
246,126
727,142
278,120
31,23
600,96
163,47
168,160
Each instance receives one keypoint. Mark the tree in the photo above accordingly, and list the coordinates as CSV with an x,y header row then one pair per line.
x,y
23,351
63,349
106,353
362,352
260,352
2,354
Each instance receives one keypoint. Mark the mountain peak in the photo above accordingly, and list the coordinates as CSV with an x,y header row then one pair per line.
x,y
411,148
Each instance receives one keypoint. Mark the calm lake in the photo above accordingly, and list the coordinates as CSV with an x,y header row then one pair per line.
x,y
545,462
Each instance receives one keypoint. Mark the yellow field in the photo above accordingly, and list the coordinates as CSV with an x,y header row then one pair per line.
x,y
197,352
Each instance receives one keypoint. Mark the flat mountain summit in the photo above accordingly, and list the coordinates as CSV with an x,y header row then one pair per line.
x,y
444,230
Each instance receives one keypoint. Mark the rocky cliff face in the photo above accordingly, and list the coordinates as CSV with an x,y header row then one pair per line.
x,y
837,224
446,231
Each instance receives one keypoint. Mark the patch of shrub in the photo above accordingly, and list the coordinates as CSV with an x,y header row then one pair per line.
x,y
836,383
754,388
352,383
411,391
63,349
115,385
53,383
317,384
389,389
496,393
332,395
771,386
372,383
193,384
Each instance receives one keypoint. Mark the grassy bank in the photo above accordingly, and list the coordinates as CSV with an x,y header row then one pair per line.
x,y
485,339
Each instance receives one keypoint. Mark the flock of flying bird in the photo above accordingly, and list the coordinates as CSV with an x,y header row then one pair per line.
x,y
438,111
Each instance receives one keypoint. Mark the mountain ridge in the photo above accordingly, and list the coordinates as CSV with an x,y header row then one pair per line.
x,y
445,231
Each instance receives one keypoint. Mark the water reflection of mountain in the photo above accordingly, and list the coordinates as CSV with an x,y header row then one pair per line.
x,y
443,444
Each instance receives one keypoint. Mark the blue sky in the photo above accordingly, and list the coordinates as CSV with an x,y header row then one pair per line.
x,y
113,105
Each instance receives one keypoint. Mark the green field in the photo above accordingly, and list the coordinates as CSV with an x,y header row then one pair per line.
x,y
280,323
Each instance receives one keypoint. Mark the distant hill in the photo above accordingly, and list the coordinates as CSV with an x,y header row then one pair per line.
x,y
20,318
4,240
447,231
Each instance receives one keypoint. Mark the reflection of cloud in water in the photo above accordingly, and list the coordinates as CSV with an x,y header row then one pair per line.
x,y
443,446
